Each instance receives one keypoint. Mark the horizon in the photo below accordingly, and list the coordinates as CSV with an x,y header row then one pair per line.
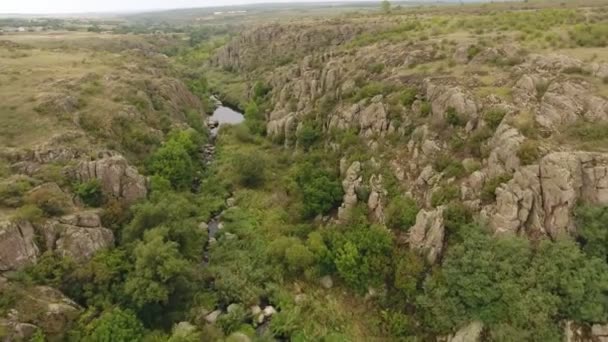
x,y
71,7
58,7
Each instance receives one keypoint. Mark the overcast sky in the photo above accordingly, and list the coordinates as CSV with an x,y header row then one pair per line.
x,y
79,6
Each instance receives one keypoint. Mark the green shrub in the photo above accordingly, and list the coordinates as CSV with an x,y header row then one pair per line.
x,y
588,131
12,191
445,195
232,321
361,255
116,325
308,135
51,200
528,152
488,192
454,118
90,193
473,51
425,108
28,212
449,166
456,215
321,190
592,227
407,97
401,213
250,169
590,35
260,90
494,116
174,160
376,68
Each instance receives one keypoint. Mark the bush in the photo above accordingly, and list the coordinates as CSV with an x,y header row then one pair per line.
x,y
308,135
12,191
376,68
321,190
528,152
116,325
425,108
250,169
90,193
401,213
454,118
445,195
232,321
488,192
28,212
407,97
174,160
592,227
494,116
449,166
361,255
50,199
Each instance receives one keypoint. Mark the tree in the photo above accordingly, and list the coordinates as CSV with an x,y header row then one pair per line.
x,y
321,190
386,6
116,325
159,268
401,213
175,160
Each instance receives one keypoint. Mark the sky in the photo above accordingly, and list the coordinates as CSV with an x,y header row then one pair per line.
x,y
81,6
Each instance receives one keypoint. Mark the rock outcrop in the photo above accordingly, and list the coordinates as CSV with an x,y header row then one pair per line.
x,y
426,236
40,307
469,333
351,182
541,198
442,97
78,236
17,245
117,177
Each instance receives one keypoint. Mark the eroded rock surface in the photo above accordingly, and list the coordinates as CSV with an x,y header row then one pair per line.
x,y
426,236
17,245
541,198
117,177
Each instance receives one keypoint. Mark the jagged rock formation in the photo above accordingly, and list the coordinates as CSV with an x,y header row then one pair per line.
x,y
17,245
351,182
117,177
540,198
427,235
78,236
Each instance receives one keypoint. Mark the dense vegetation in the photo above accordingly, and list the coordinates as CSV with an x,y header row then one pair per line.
x,y
278,199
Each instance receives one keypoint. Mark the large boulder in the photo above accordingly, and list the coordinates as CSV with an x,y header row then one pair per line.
x,y
117,177
17,245
426,236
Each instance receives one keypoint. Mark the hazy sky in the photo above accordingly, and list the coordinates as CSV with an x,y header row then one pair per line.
x,y
72,6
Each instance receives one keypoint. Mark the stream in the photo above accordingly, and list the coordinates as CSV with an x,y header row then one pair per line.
x,y
222,115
